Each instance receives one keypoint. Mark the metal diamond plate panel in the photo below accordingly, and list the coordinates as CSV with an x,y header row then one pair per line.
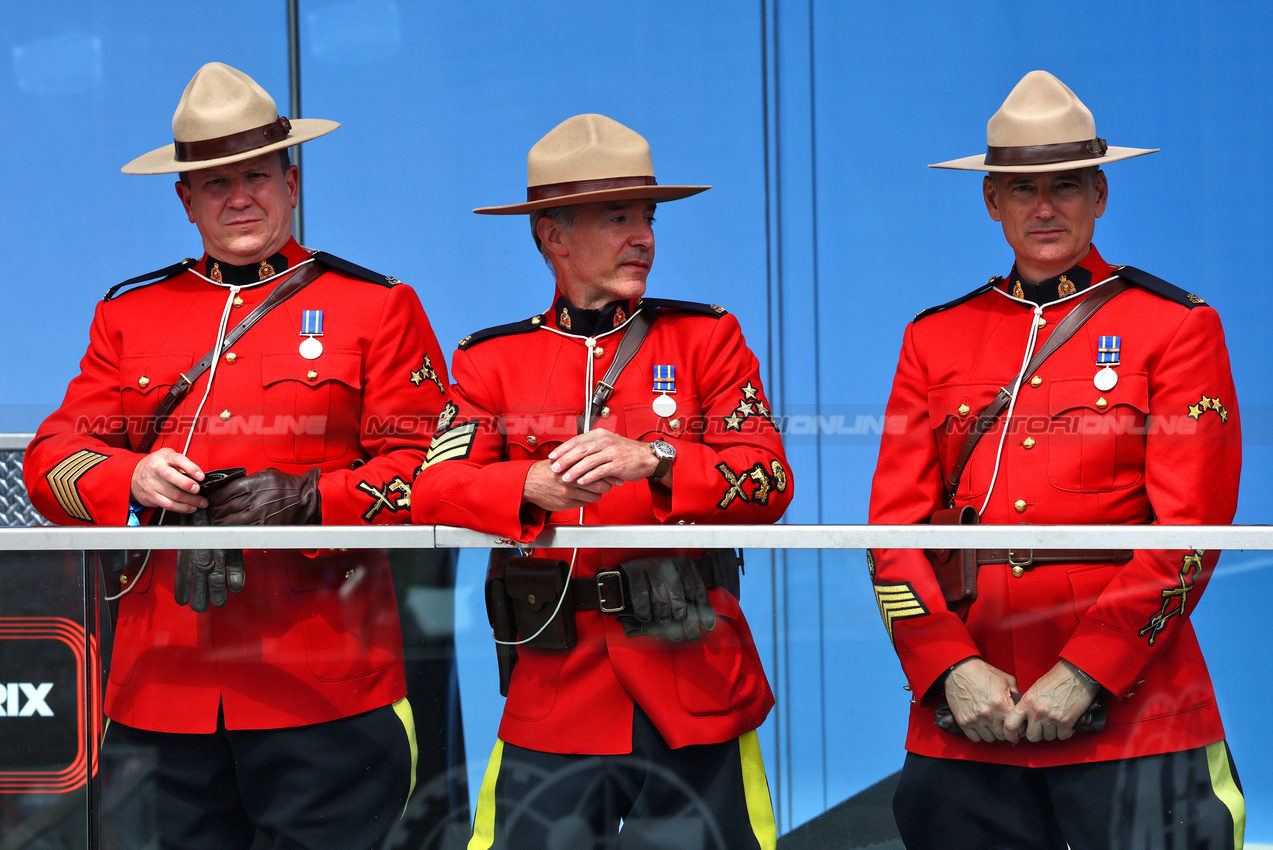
x,y
15,508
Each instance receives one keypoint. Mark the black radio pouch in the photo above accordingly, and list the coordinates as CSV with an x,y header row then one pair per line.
x,y
521,598
534,587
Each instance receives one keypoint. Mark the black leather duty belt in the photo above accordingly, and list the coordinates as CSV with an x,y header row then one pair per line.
x,y
604,591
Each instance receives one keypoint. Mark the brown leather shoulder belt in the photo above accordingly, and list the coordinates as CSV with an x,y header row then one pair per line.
x,y
987,418
293,284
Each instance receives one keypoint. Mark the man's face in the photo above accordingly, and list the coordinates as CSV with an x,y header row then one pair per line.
x,y
1048,218
606,255
243,210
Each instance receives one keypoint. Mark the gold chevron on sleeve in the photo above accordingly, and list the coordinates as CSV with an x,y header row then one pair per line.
x,y
897,602
454,444
64,479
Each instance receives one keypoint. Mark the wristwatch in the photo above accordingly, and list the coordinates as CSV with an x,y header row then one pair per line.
x,y
666,453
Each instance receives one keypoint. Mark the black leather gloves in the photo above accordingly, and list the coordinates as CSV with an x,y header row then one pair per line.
x,y
268,497
206,576
666,598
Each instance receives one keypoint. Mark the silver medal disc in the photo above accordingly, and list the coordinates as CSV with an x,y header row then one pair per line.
x,y
664,405
311,348
1105,379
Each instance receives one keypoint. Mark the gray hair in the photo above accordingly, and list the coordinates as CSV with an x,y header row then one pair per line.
x,y
564,216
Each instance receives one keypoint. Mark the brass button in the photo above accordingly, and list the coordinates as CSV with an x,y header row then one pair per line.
x,y
675,424
535,320
598,351
1019,504
1102,403
225,416
143,382
963,409
349,574
1018,571
605,413
231,357
238,301
1028,442
530,597
312,375
532,440
123,579
1042,321
1035,381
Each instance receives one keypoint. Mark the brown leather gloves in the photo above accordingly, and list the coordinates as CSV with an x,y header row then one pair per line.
x,y
268,497
667,598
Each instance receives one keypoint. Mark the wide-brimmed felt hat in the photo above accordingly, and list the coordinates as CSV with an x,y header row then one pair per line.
x,y
590,158
224,117
1042,126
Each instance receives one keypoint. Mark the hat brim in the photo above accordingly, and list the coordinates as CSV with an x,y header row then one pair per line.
x,y
164,160
978,162
654,193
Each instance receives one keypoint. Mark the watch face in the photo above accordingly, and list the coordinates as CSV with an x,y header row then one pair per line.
x,y
663,449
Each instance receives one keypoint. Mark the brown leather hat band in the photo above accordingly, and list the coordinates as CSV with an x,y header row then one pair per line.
x,y
577,187
1045,154
248,140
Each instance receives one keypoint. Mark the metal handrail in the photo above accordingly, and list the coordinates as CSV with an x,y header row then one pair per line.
x,y
647,536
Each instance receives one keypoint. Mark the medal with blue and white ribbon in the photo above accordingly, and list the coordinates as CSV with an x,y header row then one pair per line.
x,y
311,329
664,383
1107,356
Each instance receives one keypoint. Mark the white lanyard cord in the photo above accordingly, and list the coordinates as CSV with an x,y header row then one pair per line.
x,y
1012,401
1025,361
212,374
590,343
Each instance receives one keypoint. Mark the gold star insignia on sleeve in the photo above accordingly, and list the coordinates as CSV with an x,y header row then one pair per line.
x,y
733,422
749,392
1208,403
426,372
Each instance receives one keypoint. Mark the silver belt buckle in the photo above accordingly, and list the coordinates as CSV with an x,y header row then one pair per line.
x,y
615,579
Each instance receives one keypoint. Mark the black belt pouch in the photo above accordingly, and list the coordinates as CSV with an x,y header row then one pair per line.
x,y
534,586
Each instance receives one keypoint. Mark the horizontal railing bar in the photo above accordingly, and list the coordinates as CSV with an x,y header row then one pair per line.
x,y
646,536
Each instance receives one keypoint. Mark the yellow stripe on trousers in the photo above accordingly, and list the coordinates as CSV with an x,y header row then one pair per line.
x,y
484,817
402,708
1226,789
760,809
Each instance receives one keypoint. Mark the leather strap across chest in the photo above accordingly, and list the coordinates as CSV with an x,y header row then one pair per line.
x,y
293,284
1066,329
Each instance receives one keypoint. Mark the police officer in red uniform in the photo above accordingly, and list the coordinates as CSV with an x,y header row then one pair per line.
x,y
269,685
1131,420
649,715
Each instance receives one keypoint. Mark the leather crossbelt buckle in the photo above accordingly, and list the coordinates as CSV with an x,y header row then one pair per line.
x,y
1029,558
610,592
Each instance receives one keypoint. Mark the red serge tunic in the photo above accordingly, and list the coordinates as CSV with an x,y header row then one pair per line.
x,y
1162,446
519,389
313,636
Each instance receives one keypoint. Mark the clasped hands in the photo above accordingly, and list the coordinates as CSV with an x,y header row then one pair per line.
x,y
988,705
586,467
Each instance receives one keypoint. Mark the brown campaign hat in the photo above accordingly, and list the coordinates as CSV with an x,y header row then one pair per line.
x,y
590,158
1042,126
224,117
